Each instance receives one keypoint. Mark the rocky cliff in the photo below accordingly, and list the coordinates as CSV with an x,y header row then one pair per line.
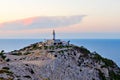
x,y
40,62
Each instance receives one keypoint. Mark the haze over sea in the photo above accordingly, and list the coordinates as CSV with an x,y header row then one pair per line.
x,y
108,48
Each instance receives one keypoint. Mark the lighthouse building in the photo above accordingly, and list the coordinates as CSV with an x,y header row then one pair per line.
x,y
55,41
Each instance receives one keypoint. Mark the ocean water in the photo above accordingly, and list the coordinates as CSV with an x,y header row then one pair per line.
x,y
108,48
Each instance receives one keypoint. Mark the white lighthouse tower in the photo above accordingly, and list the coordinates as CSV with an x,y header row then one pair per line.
x,y
54,41
53,34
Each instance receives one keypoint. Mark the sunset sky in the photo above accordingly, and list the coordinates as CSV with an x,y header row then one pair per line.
x,y
70,18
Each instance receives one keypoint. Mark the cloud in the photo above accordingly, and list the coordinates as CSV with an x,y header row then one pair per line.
x,y
42,22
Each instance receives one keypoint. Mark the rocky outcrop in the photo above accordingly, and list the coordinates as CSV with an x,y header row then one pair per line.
x,y
61,63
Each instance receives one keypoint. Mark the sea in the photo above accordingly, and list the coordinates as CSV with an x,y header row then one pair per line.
x,y
108,48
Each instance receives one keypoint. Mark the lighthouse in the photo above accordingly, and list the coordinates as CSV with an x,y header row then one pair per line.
x,y
53,34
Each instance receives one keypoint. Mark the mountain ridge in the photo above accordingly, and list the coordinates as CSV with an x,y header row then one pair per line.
x,y
41,61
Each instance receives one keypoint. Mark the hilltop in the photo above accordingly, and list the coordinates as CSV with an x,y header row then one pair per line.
x,y
56,60
63,61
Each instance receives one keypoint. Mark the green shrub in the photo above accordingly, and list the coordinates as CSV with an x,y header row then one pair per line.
x,y
82,50
46,47
97,56
114,76
7,60
61,46
34,46
2,54
6,68
52,47
3,57
1,78
18,53
101,75
5,71
27,76
27,53
61,52
108,62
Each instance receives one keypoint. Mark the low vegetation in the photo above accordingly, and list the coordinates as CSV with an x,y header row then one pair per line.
x,y
108,62
101,75
26,53
114,76
5,71
1,78
5,68
2,54
82,50
46,78
7,60
84,58
27,76
18,53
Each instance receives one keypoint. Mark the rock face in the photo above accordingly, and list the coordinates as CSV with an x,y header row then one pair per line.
x,y
57,63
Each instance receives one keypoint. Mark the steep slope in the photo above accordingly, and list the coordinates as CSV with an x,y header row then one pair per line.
x,y
71,62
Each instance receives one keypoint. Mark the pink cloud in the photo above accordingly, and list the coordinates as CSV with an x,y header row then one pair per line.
x,y
25,22
28,21
42,22
1,25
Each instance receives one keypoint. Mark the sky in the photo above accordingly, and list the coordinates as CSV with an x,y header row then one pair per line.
x,y
69,18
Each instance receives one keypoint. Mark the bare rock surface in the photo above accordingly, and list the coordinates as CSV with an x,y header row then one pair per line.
x,y
60,63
